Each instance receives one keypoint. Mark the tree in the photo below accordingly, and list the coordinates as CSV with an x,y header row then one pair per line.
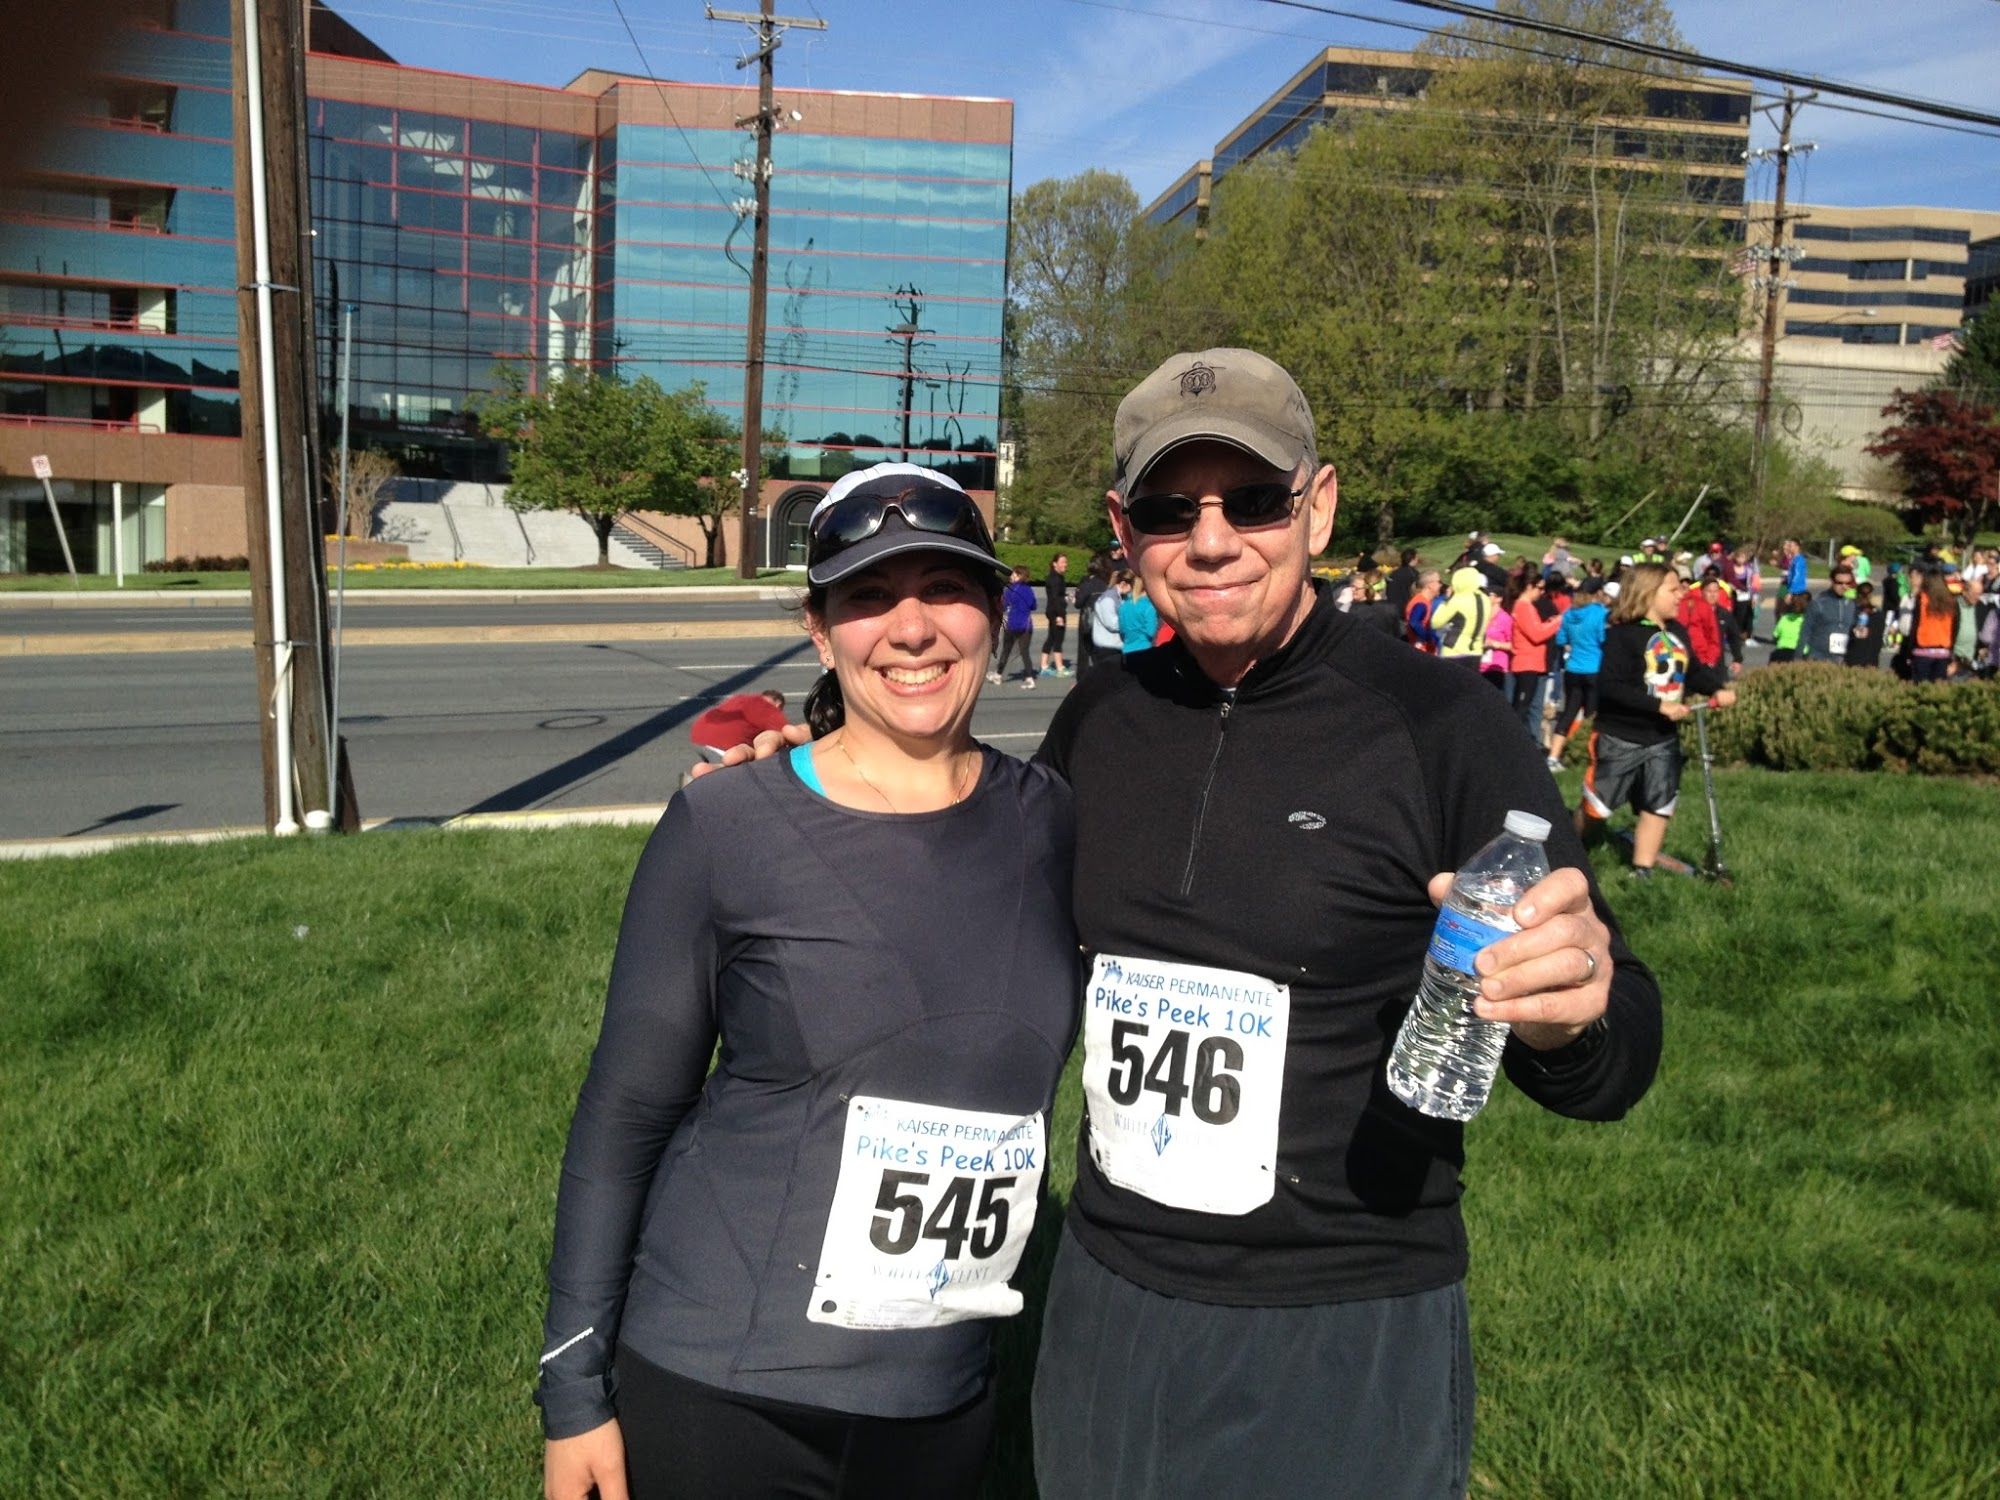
x,y
1946,449
368,469
1974,370
1619,255
601,447
1080,332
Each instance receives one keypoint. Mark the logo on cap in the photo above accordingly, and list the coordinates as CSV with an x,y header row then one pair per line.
x,y
1198,380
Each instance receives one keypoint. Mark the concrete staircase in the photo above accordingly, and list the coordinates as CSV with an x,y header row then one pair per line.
x,y
445,522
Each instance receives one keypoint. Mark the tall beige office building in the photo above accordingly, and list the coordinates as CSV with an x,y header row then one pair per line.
x,y
1867,306
1702,122
1874,275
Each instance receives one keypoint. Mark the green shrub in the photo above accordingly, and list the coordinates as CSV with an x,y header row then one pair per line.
x,y
198,564
1036,557
1941,729
1808,716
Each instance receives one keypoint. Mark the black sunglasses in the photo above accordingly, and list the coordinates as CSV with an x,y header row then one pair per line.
x,y
1245,507
931,508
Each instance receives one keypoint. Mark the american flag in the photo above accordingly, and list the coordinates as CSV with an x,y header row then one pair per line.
x,y
1947,340
1747,260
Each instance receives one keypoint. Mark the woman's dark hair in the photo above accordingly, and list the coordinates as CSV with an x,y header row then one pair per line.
x,y
825,709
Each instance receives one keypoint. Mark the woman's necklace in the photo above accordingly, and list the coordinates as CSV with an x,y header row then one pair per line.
x,y
958,779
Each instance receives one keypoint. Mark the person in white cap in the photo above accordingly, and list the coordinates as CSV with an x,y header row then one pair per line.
x,y
807,1157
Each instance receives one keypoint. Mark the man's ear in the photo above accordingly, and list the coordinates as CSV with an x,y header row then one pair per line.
x,y
1322,501
1120,527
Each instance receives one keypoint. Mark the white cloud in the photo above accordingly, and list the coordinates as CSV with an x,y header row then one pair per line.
x,y
1135,89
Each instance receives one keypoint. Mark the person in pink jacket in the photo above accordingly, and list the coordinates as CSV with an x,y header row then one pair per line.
x,y
1496,666
1533,630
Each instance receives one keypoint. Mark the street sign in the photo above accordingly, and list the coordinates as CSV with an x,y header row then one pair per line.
x,y
40,463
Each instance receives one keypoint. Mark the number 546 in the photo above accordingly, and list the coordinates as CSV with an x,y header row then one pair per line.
x,y
1216,1092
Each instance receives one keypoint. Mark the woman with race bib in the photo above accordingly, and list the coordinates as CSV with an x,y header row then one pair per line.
x,y
780,1276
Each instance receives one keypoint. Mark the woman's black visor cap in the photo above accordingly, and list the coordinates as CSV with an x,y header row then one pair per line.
x,y
894,535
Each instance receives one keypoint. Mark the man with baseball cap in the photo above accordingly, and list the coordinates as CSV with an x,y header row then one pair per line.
x,y
1260,1289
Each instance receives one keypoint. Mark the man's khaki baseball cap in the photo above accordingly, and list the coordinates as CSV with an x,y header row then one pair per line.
x,y
1234,396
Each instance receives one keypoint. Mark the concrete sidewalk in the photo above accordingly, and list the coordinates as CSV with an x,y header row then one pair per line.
x,y
641,814
219,598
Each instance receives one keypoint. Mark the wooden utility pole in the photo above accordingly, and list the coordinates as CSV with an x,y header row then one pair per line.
x,y
909,302
1777,261
280,428
770,31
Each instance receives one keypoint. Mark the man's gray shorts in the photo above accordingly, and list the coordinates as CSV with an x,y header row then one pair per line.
x,y
1145,1397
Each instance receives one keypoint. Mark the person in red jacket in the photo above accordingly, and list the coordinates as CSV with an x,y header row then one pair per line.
x,y
1533,629
1704,630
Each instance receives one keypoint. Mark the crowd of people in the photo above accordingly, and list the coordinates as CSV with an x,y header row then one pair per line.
x,y
1536,629
1654,634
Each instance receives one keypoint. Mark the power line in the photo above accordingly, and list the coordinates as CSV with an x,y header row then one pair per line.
x,y
667,105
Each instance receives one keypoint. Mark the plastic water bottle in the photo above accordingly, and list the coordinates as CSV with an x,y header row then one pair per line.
x,y
1445,1056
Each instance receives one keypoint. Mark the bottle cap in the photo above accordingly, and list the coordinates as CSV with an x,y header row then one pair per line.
x,y
1526,825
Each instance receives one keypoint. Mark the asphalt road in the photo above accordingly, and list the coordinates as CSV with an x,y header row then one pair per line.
x,y
134,743
146,743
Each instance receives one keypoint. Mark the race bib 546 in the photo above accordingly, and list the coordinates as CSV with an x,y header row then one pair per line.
x,y
929,1217
1183,1075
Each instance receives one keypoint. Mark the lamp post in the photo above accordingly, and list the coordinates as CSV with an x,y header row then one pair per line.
x,y
1838,320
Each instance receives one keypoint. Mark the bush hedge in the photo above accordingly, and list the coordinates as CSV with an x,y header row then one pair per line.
x,y
1808,716
201,564
1036,557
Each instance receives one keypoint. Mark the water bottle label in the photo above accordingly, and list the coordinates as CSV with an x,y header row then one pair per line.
x,y
1457,939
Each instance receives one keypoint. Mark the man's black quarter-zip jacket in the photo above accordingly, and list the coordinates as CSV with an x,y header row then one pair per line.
x,y
1289,829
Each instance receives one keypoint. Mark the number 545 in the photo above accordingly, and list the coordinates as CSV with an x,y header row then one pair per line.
x,y
900,1220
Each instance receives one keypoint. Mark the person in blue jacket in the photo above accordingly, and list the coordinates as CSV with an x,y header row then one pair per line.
x,y
1581,635
1017,606
1138,620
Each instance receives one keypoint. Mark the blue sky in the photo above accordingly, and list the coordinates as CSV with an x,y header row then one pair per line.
x,y
1148,86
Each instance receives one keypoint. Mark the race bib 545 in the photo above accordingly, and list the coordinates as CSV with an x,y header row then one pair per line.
x,y
929,1217
1183,1075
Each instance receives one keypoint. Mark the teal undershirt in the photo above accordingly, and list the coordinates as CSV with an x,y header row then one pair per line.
x,y
802,764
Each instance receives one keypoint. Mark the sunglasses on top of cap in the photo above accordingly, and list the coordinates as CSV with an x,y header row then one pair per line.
x,y
1269,502
932,508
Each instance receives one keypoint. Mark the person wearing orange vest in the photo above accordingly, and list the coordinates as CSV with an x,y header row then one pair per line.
x,y
1934,629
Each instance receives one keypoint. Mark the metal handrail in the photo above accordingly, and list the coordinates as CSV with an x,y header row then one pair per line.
x,y
457,544
658,536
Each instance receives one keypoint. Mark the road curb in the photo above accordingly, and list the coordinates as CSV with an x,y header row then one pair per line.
x,y
641,814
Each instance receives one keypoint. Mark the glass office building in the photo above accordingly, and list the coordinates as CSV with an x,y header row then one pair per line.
x,y
463,247
477,226
864,232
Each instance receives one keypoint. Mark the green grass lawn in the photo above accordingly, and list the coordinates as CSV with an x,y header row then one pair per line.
x,y
405,578
282,1127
